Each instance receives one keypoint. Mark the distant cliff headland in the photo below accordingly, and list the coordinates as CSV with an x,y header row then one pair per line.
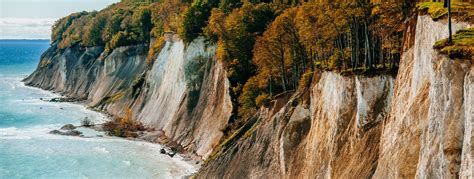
x,y
280,89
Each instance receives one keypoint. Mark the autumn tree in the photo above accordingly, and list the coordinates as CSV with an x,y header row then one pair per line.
x,y
236,32
274,52
166,16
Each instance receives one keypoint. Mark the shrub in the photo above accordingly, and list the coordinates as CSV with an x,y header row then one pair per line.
x,y
305,80
86,122
263,99
124,127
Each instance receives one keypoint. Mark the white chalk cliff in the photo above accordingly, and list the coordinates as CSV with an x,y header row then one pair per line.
x,y
417,124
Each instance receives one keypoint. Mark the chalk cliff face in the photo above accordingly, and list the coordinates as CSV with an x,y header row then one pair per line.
x,y
418,124
157,94
197,126
425,131
331,129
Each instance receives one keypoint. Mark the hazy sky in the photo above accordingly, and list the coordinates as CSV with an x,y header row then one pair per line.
x,y
32,19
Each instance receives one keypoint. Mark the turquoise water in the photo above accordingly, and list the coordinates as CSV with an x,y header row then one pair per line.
x,y
28,151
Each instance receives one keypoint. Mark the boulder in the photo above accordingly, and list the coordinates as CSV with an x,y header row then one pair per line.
x,y
171,154
66,133
55,132
72,133
68,127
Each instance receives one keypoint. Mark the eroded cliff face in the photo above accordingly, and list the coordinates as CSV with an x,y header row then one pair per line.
x,y
84,72
194,118
424,133
418,124
331,129
467,157
157,94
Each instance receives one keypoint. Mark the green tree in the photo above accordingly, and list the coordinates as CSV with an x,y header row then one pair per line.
x,y
93,31
195,18
141,22
113,25
61,25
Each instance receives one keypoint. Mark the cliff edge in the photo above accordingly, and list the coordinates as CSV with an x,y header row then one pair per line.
x,y
160,95
418,123
415,125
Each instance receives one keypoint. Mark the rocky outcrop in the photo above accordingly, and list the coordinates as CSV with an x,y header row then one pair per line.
x,y
157,94
418,124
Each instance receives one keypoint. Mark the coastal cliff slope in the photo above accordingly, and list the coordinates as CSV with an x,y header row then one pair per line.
x,y
157,94
417,124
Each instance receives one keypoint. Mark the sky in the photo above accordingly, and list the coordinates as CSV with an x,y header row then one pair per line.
x,y
32,19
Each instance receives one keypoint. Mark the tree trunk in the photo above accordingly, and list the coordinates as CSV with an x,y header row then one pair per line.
x,y
270,85
450,39
283,71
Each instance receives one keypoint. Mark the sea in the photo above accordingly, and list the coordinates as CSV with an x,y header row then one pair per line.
x,y
27,150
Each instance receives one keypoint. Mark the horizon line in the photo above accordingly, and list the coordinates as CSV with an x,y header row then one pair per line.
x,y
25,39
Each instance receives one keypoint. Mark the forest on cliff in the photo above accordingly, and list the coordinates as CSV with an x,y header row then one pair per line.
x,y
267,47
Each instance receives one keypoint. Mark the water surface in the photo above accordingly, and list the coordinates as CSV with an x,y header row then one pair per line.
x,y
28,151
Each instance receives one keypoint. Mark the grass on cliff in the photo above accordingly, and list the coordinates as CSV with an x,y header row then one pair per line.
x,y
462,46
462,11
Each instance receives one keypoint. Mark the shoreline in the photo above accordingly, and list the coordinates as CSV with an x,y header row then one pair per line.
x,y
149,135
151,138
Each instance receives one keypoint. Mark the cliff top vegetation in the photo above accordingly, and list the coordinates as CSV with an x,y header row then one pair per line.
x,y
462,11
462,46
129,22
266,47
